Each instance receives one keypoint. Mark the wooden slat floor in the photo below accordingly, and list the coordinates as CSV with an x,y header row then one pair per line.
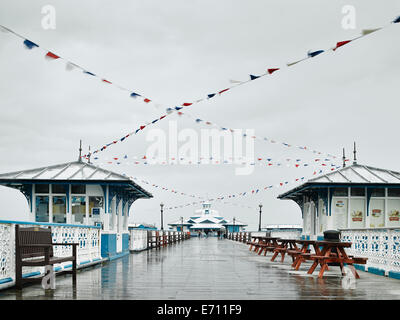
x,y
207,269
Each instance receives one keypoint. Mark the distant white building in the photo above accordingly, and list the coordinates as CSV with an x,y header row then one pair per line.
x,y
207,220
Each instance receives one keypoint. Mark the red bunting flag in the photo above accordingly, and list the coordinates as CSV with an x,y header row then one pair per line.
x,y
104,80
271,71
142,127
341,43
186,104
222,91
146,100
52,55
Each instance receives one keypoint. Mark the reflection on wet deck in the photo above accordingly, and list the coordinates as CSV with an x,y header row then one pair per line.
x,y
207,269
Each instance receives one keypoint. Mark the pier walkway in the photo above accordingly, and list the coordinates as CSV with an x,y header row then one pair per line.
x,y
206,269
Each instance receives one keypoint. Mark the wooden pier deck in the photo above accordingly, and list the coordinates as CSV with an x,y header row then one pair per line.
x,y
206,269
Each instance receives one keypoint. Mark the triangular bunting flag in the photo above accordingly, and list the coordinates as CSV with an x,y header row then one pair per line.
x,y
70,66
134,95
89,73
253,77
341,43
368,31
314,53
293,63
29,44
51,55
271,71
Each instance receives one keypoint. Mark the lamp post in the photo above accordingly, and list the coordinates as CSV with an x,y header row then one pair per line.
x,y
162,223
234,220
181,224
259,221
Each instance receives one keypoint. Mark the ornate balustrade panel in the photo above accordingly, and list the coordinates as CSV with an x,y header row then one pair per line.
x,y
381,246
7,250
89,248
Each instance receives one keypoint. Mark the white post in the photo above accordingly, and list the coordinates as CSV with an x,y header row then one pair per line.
x,y
106,216
119,216
32,214
51,207
69,207
367,217
348,207
87,210
386,213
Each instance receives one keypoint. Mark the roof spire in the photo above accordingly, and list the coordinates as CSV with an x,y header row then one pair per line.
x,y
355,154
344,159
80,151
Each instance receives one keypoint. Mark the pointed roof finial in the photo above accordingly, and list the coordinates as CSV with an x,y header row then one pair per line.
x,y
355,154
344,159
80,151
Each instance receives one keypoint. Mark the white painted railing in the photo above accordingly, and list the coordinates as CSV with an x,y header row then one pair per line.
x,y
278,233
138,240
380,245
88,251
286,234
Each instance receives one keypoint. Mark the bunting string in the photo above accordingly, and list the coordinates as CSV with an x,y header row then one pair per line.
x,y
260,139
264,161
30,45
234,196
270,71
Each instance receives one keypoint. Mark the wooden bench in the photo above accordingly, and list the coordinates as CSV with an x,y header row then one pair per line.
x,y
34,247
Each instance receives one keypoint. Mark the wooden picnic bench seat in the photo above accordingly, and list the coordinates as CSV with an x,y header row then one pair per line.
x,y
266,247
34,247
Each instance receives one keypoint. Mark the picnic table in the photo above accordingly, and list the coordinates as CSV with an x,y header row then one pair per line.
x,y
327,253
301,254
255,241
267,244
334,252
283,247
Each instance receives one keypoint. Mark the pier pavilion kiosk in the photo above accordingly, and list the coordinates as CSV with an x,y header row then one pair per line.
x,y
80,193
352,197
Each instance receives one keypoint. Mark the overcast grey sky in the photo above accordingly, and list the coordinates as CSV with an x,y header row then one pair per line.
x,y
179,51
